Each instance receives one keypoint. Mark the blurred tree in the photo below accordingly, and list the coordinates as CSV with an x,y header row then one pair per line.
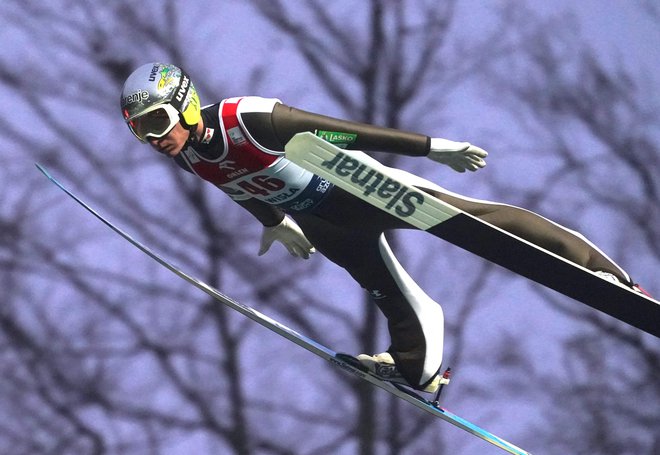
x,y
109,353
103,352
594,117
119,358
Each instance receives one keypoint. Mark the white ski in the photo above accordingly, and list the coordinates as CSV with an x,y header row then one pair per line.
x,y
346,362
395,193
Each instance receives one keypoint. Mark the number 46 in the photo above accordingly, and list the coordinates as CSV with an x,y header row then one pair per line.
x,y
262,185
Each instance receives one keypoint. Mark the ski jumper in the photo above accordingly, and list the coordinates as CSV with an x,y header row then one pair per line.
x,y
242,152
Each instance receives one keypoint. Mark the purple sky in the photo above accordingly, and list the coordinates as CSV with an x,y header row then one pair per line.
x,y
617,30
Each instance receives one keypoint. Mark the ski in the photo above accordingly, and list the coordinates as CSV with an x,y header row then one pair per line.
x,y
391,191
343,361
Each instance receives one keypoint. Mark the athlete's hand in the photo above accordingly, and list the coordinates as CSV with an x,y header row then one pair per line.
x,y
289,234
460,156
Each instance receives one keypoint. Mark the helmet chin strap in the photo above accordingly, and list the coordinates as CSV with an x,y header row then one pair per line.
x,y
192,137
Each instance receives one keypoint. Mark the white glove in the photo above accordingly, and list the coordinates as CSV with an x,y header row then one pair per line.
x,y
460,156
289,234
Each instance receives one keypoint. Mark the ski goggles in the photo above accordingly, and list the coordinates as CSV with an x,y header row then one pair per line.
x,y
154,123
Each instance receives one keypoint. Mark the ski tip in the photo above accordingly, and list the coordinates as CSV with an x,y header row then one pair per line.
x,y
43,170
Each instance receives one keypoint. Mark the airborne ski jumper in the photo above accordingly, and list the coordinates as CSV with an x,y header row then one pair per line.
x,y
343,361
238,145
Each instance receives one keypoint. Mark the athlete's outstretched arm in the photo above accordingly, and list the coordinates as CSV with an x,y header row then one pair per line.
x,y
287,121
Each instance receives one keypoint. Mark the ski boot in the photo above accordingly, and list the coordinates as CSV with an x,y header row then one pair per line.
x,y
383,366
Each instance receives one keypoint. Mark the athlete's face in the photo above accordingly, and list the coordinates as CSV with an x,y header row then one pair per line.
x,y
172,143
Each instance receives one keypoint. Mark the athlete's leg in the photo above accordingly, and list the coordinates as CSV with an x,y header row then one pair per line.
x,y
528,225
428,316
541,231
415,322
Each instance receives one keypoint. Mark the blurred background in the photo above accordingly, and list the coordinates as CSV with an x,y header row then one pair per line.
x,y
103,351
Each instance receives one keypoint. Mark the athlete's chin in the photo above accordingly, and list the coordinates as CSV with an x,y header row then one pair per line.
x,y
174,151
170,150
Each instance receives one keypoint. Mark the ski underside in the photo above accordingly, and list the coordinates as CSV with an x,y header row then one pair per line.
x,y
397,193
343,361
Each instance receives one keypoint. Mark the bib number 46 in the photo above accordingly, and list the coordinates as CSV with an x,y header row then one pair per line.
x,y
261,185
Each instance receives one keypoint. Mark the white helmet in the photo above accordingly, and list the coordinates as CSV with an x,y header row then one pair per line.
x,y
155,97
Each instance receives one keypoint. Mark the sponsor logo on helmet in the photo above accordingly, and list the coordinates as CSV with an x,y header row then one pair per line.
x,y
135,97
165,78
183,89
154,73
